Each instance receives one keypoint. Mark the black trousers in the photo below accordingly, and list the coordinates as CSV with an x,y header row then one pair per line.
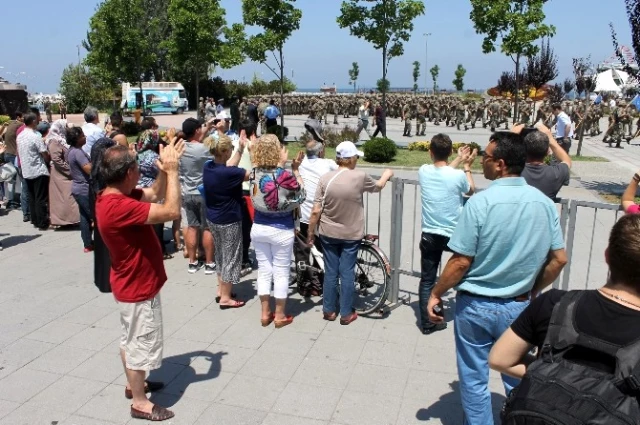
x,y
247,223
431,248
39,201
380,129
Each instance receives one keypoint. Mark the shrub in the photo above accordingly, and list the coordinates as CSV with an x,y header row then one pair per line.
x,y
275,129
4,119
380,150
424,146
333,137
130,128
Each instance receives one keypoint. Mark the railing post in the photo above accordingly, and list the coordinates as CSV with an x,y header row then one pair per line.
x,y
571,233
395,245
564,216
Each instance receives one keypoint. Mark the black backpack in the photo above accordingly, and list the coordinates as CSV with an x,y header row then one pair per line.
x,y
556,391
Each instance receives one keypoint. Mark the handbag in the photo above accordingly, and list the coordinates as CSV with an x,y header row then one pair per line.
x,y
8,172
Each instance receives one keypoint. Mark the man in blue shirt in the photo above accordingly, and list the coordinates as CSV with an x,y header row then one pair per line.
x,y
271,114
443,188
507,247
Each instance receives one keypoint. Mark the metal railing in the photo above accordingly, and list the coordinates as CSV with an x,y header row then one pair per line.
x,y
395,215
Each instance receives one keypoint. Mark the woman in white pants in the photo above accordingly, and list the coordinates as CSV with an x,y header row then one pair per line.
x,y
272,233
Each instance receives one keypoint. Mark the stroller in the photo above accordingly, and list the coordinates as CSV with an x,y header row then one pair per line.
x,y
309,268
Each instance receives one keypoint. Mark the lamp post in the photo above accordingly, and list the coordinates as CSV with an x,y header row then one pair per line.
x,y
426,59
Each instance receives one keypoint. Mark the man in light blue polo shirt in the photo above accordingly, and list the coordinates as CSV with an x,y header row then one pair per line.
x,y
442,187
507,246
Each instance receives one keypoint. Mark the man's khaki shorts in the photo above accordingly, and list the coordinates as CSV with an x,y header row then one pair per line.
x,y
142,334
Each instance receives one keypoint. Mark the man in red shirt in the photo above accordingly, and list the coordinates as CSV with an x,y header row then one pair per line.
x,y
125,216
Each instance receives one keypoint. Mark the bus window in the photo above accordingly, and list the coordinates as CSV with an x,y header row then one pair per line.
x,y
182,94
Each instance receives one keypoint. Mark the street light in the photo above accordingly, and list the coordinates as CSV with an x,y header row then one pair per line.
x,y
426,59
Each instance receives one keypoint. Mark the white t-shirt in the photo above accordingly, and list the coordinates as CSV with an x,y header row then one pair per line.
x,y
561,126
612,103
364,113
311,170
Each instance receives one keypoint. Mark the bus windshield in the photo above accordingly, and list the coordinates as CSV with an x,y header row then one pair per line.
x,y
182,94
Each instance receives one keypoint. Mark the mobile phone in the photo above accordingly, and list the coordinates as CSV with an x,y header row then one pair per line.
x,y
438,310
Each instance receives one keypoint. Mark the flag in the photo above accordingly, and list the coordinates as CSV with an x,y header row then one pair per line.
x,y
636,102
598,100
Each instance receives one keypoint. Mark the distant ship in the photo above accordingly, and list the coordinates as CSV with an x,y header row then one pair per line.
x,y
329,89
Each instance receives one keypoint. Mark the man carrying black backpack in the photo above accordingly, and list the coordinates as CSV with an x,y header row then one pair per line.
x,y
588,366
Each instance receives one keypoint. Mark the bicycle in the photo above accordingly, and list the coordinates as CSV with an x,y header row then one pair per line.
x,y
373,274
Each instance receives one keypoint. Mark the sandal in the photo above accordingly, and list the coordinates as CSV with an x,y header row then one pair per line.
x,y
236,304
267,322
233,297
167,256
157,414
284,322
149,387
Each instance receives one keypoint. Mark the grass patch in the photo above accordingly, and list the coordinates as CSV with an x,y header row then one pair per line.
x,y
583,158
615,199
404,158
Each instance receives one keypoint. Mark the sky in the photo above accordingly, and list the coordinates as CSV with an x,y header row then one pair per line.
x,y
320,52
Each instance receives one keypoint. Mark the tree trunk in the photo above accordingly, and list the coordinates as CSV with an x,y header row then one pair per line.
x,y
142,98
579,152
281,94
515,108
384,78
197,84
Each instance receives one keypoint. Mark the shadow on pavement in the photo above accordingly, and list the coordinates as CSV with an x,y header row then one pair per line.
x,y
185,377
449,410
12,241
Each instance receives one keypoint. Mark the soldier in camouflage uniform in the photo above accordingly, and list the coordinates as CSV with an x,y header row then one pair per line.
x,y
459,113
406,117
626,119
242,108
435,105
262,106
614,132
421,123
525,113
493,115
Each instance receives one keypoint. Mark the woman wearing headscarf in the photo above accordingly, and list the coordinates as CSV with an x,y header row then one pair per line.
x,y
63,209
148,146
102,259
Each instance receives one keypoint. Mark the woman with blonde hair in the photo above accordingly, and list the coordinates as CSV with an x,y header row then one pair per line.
x,y
276,194
222,181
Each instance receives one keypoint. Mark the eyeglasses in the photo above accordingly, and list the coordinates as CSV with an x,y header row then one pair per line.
x,y
486,155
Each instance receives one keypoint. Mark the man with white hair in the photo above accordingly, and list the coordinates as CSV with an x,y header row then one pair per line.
x,y
91,129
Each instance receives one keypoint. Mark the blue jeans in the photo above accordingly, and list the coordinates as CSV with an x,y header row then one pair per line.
x,y
479,322
339,262
431,248
86,214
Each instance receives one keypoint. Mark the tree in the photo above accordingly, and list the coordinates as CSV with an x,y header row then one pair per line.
x,y
556,93
117,43
514,25
416,75
386,24
80,88
195,45
506,83
278,20
383,85
354,73
585,82
633,15
541,69
435,70
568,85
458,82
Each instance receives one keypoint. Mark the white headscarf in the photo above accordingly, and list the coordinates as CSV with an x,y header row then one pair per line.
x,y
58,132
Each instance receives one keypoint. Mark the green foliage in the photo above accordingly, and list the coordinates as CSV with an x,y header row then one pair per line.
x,y
435,70
81,87
458,82
332,137
416,75
281,132
424,146
354,73
383,85
4,119
514,25
380,150
118,43
541,68
386,24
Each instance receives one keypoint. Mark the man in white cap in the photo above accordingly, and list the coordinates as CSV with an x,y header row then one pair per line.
x,y
338,213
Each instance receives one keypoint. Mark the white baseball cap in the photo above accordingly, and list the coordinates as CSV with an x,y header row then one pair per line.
x,y
223,116
346,150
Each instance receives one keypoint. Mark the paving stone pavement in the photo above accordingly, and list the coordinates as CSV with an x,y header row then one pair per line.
x,y
59,341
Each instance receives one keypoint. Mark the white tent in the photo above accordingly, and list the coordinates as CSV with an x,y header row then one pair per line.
x,y
611,80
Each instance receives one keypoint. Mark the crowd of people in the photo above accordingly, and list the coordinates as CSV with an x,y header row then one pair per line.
x,y
226,191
